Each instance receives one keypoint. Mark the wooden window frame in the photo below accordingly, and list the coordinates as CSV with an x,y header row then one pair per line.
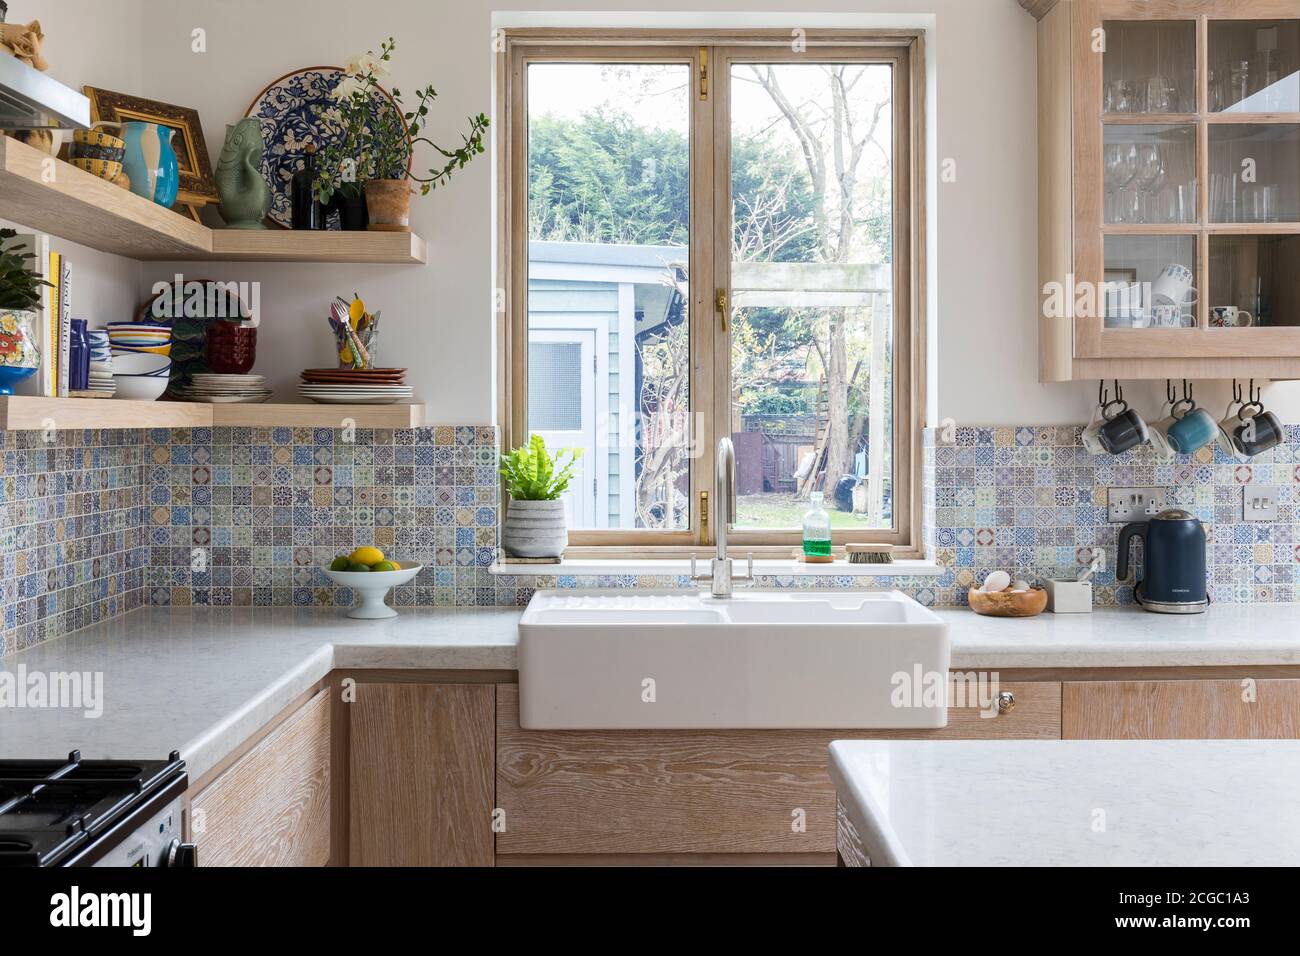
x,y
709,228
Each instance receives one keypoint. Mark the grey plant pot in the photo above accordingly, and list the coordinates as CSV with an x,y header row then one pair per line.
x,y
534,529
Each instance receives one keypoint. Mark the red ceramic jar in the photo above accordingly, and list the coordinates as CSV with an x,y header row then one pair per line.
x,y
232,348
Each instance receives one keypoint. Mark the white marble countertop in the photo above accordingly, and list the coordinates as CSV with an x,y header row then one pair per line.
x,y
1072,802
203,680
1225,635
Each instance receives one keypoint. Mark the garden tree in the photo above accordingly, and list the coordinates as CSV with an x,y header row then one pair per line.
x,y
834,132
604,178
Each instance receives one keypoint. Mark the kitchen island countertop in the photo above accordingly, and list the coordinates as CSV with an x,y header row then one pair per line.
x,y
1071,802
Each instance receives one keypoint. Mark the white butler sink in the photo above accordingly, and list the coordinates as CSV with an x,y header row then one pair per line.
x,y
760,659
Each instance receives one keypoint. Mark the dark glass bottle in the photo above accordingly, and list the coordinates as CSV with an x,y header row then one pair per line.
x,y
308,213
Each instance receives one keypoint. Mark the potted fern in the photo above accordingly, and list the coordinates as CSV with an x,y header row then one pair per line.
x,y
535,525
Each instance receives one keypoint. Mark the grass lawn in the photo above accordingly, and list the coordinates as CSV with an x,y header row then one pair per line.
x,y
786,511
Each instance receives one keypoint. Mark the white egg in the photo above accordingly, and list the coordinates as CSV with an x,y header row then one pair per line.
x,y
1020,585
996,581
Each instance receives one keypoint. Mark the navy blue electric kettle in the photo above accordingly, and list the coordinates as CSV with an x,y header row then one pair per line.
x,y
1173,573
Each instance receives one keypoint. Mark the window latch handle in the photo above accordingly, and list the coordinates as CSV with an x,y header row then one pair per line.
x,y
720,303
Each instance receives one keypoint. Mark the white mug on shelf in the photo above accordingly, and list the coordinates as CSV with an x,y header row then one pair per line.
x,y
1124,305
1230,317
1173,286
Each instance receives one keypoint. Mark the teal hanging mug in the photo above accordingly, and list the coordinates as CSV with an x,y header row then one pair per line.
x,y
1194,429
150,161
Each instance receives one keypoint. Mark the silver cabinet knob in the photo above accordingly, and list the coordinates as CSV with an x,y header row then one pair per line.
x,y
1006,702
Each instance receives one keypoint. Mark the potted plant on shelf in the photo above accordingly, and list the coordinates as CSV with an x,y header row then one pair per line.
x,y
534,525
20,299
376,145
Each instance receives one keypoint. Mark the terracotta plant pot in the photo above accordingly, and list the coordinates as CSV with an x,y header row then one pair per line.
x,y
389,201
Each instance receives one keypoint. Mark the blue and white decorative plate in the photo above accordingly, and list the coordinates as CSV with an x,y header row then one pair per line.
x,y
288,109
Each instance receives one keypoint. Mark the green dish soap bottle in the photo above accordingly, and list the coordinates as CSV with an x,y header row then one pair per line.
x,y
816,528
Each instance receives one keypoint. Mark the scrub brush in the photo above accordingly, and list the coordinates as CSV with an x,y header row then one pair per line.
x,y
869,553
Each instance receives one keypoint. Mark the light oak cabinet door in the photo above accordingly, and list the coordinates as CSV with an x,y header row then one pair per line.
x,y
272,806
421,766
1180,710
1169,189
700,792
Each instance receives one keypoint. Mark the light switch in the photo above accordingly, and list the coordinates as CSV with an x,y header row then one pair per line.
x,y
1258,503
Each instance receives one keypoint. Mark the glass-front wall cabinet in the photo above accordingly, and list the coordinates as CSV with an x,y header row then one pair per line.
x,y
1182,155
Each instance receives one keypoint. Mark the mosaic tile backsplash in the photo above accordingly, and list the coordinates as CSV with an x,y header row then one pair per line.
x,y
71,531
1032,500
101,521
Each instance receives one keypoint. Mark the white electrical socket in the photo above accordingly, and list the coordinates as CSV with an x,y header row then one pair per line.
x,y
1258,503
1134,504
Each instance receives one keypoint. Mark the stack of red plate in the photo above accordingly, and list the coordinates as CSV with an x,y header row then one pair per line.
x,y
370,386
354,376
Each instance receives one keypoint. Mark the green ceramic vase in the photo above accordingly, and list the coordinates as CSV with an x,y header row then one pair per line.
x,y
245,196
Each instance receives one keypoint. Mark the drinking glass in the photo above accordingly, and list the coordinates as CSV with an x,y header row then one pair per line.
x,y
1162,96
1121,97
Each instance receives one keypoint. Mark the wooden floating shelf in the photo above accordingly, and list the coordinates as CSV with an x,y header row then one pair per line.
x,y
56,197
319,416
289,245
28,413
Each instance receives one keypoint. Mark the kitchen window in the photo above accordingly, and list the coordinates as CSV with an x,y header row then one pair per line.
x,y
707,236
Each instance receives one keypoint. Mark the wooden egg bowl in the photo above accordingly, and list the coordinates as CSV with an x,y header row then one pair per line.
x,y
1006,603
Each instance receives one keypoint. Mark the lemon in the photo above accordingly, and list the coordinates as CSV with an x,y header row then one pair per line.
x,y
340,563
385,566
368,556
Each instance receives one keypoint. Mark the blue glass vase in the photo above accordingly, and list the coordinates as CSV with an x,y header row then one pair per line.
x,y
150,161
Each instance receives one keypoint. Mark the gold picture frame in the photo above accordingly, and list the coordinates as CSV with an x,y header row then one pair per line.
x,y
197,187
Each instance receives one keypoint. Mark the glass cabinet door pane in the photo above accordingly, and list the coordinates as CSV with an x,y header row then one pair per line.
x,y
1149,66
1150,174
608,286
1254,66
1149,282
1254,173
1253,281
812,346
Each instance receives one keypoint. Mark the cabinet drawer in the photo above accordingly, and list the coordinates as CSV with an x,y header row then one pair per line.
x,y
1180,709
272,806
698,791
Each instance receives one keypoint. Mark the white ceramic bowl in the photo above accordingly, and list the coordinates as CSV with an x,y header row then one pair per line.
x,y
143,388
372,586
140,363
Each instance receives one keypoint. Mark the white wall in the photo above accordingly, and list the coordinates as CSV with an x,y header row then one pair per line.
x,y
105,287
437,318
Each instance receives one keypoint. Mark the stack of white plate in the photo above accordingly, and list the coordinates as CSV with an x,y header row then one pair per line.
x,y
101,378
355,394
226,389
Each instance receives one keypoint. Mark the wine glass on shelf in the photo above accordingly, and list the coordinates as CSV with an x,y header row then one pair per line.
x,y
1120,167
1149,175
